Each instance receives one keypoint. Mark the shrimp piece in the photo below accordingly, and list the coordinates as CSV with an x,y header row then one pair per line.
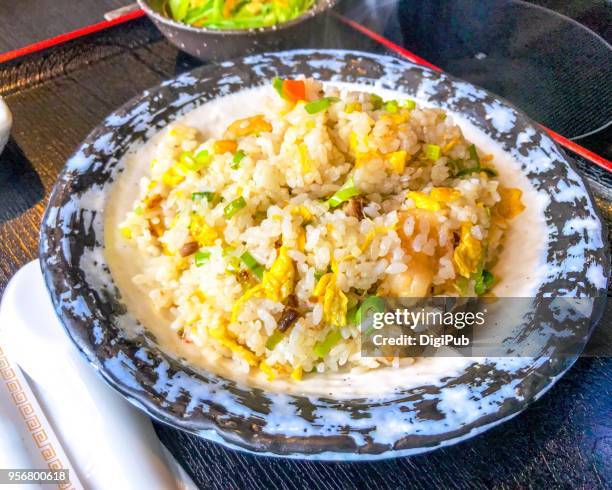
x,y
417,280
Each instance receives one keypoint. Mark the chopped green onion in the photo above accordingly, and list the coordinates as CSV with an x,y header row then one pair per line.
x,y
409,104
254,266
277,83
321,349
351,315
318,275
371,305
467,171
201,257
484,282
209,196
344,194
432,152
274,340
320,105
474,155
377,101
392,106
233,207
196,162
240,154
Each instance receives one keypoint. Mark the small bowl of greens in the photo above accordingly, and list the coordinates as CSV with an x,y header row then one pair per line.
x,y
214,30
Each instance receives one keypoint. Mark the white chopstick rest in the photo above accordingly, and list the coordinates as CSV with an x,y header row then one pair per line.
x,y
110,443
6,123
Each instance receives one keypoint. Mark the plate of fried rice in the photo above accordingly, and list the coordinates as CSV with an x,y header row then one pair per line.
x,y
214,245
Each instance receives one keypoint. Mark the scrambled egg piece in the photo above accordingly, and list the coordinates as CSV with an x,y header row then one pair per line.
x,y
250,125
225,146
202,232
220,334
303,211
468,253
397,161
279,281
510,205
435,200
335,302
172,177
444,194
424,201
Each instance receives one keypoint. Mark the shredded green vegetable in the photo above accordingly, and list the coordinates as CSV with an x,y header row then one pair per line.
x,y
347,191
254,266
235,14
233,207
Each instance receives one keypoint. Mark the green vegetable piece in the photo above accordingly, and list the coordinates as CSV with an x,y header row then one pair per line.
x,y
409,104
467,171
196,14
320,105
254,266
484,282
277,83
351,314
209,196
240,154
321,349
344,194
274,339
318,275
178,9
196,162
233,207
392,106
201,257
371,305
377,101
432,152
474,155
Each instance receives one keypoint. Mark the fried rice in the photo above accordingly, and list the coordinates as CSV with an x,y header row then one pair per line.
x,y
265,244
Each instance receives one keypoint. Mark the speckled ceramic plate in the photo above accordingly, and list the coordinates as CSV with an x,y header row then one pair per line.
x,y
406,421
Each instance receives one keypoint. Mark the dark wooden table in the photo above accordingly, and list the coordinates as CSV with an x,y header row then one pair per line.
x,y
564,440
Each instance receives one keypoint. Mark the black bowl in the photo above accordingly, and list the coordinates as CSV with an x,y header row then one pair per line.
x,y
221,44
